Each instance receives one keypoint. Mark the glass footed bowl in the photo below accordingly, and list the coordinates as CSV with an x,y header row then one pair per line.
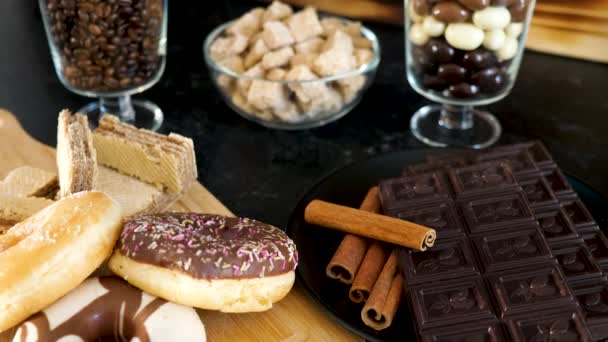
x,y
296,116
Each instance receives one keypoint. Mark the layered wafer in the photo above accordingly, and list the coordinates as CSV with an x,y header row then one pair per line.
x,y
28,181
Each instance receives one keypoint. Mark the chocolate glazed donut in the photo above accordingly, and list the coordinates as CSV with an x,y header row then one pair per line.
x,y
109,308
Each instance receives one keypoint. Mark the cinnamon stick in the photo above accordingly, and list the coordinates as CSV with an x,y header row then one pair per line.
x,y
345,263
379,310
370,225
368,273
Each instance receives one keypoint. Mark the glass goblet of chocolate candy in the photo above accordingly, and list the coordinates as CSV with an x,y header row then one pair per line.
x,y
463,53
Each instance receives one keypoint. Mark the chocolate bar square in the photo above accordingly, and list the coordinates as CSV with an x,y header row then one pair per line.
x,y
404,192
580,217
536,149
597,243
566,325
479,332
594,305
558,183
556,227
521,161
450,302
577,264
446,260
483,179
538,193
443,217
511,250
518,291
494,213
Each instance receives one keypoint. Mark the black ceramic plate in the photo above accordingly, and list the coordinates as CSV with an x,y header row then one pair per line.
x,y
348,186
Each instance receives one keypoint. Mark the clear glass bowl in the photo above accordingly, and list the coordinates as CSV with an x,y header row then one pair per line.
x,y
110,49
328,104
463,54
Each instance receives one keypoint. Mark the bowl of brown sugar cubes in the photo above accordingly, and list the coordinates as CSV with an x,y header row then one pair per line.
x,y
291,69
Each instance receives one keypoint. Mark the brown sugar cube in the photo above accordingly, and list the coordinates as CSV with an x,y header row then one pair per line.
x,y
307,91
234,63
313,45
256,52
290,113
277,11
363,56
277,58
248,24
350,87
330,25
305,24
226,82
362,43
307,59
276,74
353,29
268,96
241,102
330,101
243,84
337,56
225,47
276,35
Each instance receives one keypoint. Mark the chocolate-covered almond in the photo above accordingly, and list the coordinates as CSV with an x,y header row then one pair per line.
x,y
422,61
452,73
475,5
518,10
422,7
502,2
489,80
464,90
478,59
439,51
434,82
450,12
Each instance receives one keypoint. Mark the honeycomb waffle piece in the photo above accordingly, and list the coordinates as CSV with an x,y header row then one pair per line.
x,y
76,157
167,161
28,181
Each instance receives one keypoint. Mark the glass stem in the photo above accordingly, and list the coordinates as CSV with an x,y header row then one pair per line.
x,y
121,107
456,117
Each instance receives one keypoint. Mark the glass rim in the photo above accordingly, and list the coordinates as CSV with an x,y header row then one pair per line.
x,y
366,68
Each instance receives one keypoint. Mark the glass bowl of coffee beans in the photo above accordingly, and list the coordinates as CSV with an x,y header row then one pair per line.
x,y
109,49
289,69
461,54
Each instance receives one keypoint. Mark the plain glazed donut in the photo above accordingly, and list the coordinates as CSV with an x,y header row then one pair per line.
x,y
207,261
49,254
109,307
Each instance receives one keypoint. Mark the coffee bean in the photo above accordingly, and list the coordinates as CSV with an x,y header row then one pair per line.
x,y
478,59
489,80
463,90
439,51
450,12
452,73
434,82
475,5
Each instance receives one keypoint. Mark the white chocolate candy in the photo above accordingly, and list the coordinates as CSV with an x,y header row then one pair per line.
x,y
433,27
417,35
491,18
508,49
514,29
464,36
411,13
494,39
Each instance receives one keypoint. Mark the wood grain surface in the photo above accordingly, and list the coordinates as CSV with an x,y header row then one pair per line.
x,y
295,318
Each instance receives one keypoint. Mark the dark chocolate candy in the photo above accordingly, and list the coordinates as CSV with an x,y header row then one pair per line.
x,y
451,73
434,82
512,249
443,217
421,7
521,161
446,260
497,212
518,10
579,216
463,90
598,246
556,227
478,59
404,192
563,325
537,289
538,193
502,2
423,61
577,264
594,304
439,51
450,302
478,332
490,80
558,183
483,179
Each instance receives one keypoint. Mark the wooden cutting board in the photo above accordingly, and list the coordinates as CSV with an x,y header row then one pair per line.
x,y
295,318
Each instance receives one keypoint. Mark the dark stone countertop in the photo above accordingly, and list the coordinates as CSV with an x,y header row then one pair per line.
x,y
261,173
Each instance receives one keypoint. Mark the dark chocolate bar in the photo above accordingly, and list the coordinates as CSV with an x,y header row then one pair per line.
x,y
558,183
594,305
577,264
556,227
538,193
485,331
495,213
564,326
597,242
405,192
580,217
520,160
441,216
483,179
